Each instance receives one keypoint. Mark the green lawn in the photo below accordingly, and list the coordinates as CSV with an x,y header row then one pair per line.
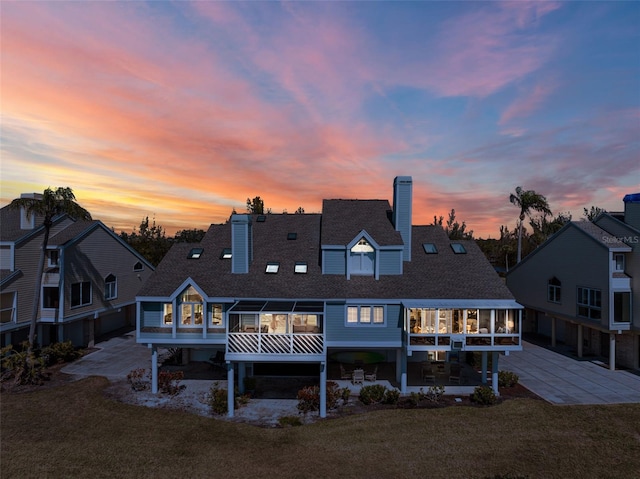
x,y
73,431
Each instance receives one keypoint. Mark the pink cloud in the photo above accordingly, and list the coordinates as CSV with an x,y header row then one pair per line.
x,y
529,102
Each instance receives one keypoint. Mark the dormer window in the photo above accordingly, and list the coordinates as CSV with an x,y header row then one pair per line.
x,y
430,248
458,248
195,253
362,246
272,268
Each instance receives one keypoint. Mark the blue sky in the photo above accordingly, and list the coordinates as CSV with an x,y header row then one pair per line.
x,y
182,110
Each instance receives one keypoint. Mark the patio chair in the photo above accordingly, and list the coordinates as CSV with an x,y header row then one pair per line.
x,y
344,374
372,376
358,376
428,374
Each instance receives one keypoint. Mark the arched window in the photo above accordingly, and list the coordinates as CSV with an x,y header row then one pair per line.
x,y
554,290
110,287
191,307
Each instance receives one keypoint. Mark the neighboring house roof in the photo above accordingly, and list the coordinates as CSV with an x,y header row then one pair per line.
x,y
618,218
10,221
600,235
70,232
339,227
444,275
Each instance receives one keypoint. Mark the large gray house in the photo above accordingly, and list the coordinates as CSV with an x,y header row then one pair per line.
x,y
582,286
357,280
89,284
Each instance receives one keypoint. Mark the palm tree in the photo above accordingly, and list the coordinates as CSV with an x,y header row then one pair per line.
x,y
527,201
50,205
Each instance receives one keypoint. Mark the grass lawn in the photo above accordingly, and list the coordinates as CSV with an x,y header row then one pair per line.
x,y
74,431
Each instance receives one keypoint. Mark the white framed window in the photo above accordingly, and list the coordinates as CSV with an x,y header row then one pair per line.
x,y
80,294
618,262
589,303
554,290
191,308
53,258
110,287
217,319
8,307
167,314
365,315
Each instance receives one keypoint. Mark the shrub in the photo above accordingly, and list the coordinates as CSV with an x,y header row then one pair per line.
x,y
218,400
174,356
434,393
59,353
138,380
507,379
169,382
372,394
289,421
345,394
391,396
333,394
416,397
309,399
21,366
484,395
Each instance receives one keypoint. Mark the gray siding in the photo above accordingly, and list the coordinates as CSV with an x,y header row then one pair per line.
x,y
336,329
92,259
402,217
572,257
632,214
151,315
334,262
390,262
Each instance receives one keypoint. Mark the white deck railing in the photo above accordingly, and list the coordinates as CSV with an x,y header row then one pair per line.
x,y
259,343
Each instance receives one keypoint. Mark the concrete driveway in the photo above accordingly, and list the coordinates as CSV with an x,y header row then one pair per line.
x,y
562,380
114,359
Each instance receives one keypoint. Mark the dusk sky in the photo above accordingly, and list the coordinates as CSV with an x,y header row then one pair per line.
x,y
184,110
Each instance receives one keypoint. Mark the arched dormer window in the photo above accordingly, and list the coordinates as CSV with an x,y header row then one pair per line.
x,y
191,307
554,290
362,258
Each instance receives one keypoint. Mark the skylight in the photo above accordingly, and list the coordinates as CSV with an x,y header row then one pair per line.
x,y
458,248
261,219
301,267
272,268
226,253
430,248
195,253
292,236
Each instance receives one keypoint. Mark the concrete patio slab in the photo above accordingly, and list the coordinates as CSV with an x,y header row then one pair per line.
x,y
563,380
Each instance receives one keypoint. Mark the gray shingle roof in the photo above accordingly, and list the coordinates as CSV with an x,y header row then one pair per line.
x,y
598,234
10,224
342,220
443,276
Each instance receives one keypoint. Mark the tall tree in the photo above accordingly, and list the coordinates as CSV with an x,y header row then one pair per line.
x,y
527,201
150,241
52,203
189,236
593,213
255,206
454,230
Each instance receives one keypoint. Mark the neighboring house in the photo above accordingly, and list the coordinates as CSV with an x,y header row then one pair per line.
x,y
582,286
307,288
90,280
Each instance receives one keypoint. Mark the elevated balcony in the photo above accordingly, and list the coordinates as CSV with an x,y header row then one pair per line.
x,y
274,346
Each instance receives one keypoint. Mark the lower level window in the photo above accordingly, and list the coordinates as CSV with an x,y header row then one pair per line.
x,y
365,315
7,307
81,293
589,303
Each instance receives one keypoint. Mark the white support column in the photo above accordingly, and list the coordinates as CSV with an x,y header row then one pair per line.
x,y
403,371
60,333
485,363
230,389
242,372
154,369
612,351
553,332
494,372
580,340
323,389
399,365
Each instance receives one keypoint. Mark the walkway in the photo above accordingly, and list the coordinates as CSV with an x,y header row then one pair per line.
x,y
114,360
562,380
